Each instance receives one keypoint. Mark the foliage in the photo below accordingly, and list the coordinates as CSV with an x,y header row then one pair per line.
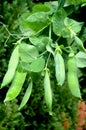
x,y
10,118
48,37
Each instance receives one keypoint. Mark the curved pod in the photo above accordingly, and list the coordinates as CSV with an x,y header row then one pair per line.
x,y
16,86
13,62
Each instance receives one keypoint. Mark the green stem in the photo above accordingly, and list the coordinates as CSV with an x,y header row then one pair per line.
x,y
48,60
50,31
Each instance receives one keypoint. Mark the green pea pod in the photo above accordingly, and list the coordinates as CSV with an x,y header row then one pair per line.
x,y
48,91
13,62
79,44
59,68
16,86
27,95
73,82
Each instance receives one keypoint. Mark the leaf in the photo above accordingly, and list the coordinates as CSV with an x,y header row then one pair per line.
x,y
37,65
79,44
64,26
40,8
52,5
48,7
49,49
25,66
58,22
23,17
16,86
27,52
26,96
34,23
81,59
40,42
74,2
23,28
72,25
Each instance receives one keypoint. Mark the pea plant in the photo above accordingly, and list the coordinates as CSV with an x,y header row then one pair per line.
x,y
50,40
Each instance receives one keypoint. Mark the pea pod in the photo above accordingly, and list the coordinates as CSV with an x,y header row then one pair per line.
x,y
59,68
48,91
79,44
27,95
16,86
73,82
13,62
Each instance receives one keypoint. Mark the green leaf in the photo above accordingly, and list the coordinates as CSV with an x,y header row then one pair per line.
x,y
40,42
49,49
25,66
35,66
34,23
52,5
64,26
74,2
26,96
27,52
81,59
72,26
58,22
79,44
23,17
40,8
23,28
48,7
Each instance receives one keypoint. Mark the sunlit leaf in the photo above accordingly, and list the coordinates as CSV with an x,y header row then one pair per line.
x,y
40,8
81,59
74,2
58,22
40,42
27,52
36,65
34,23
